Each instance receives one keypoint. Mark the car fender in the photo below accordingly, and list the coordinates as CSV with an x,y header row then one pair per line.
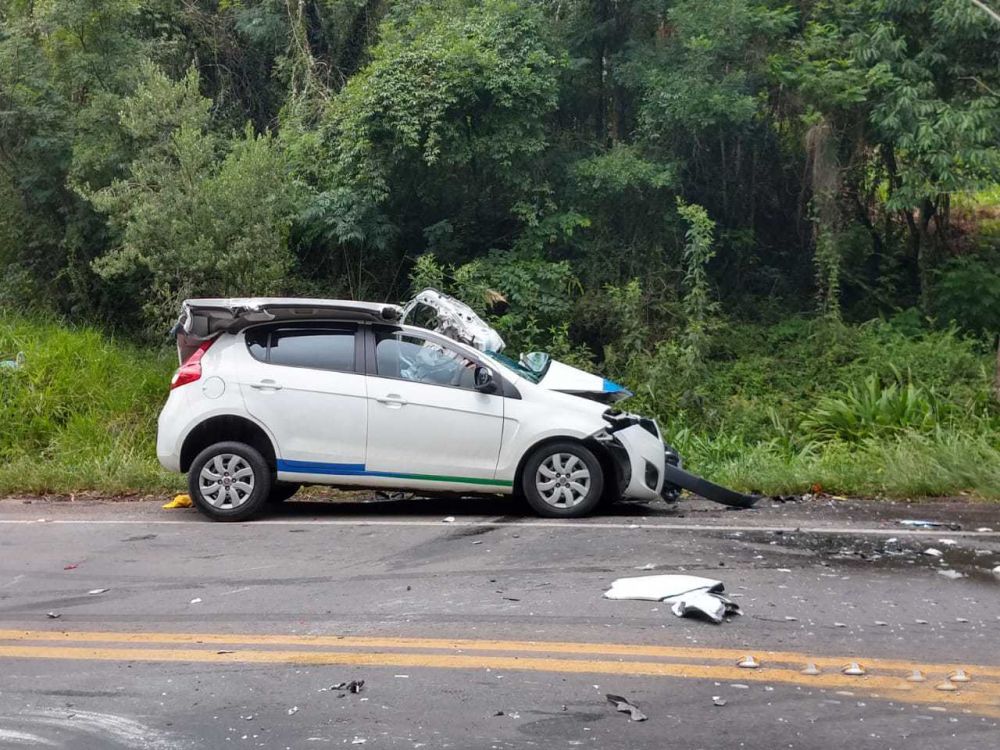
x,y
222,411
533,421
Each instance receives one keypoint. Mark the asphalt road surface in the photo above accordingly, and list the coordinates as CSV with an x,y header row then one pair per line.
x,y
124,626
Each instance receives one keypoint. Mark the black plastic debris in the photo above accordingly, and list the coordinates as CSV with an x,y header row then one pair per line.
x,y
626,707
353,686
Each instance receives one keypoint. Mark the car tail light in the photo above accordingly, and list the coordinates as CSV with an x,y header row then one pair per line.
x,y
190,371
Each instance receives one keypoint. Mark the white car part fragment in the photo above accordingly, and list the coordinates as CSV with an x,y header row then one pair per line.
x,y
456,320
687,594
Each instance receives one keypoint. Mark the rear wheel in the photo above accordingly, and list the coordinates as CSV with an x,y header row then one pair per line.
x,y
562,480
229,481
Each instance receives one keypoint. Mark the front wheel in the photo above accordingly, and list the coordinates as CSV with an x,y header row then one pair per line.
x,y
562,480
229,481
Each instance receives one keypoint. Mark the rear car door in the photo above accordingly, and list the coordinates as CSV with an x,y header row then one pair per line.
x,y
304,381
427,424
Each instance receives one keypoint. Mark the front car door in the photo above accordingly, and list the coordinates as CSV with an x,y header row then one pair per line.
x,y
428,426
305,382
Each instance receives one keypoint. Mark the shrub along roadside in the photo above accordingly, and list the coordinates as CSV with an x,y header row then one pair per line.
x,y
860,410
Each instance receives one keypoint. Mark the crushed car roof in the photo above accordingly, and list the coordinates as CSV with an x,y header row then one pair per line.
x,y
208,316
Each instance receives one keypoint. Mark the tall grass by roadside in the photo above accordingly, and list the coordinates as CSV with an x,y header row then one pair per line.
x,y
80,411
871,409
908,464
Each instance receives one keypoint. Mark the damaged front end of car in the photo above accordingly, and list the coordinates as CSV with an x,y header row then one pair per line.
x,y
644,465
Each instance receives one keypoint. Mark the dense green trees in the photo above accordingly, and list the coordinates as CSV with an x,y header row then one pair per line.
x,y
845,153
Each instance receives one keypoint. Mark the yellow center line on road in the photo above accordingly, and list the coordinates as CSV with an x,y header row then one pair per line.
x,y
885,678
795,660
981,699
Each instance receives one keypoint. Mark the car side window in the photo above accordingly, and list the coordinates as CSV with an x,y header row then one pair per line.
x,y
317,348
408,357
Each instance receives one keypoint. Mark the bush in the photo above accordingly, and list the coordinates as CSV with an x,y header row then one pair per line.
x,y
761,381
968,294
869,410
192,223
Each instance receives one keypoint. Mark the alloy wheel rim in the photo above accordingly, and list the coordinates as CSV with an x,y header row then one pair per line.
x,y
563,480
226,481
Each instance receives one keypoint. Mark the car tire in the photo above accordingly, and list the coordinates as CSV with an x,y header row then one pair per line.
x,y
245,493
562,480
282,491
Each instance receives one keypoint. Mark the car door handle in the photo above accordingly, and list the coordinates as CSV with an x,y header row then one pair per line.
x,y
266,385
392,400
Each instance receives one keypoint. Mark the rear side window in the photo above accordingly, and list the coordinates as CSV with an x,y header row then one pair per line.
x,y
318,348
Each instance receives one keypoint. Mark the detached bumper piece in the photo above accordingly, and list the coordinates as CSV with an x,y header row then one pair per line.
x,y
675,477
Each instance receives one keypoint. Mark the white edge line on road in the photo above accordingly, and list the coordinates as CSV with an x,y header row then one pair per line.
x,y
791,529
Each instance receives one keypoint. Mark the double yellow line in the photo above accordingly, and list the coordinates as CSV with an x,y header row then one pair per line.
x,y
885,678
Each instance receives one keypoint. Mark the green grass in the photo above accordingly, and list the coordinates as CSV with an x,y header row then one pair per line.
x,y
858,410
908,465
80,414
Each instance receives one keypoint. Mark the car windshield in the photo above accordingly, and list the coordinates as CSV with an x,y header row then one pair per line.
x,y
506,362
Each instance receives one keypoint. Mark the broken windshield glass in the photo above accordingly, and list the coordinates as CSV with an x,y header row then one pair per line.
x,y
507,363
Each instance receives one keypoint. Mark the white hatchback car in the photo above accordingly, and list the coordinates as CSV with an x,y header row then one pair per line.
x,y
275,393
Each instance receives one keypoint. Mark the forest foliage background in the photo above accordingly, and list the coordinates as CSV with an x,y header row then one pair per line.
x,y
777,222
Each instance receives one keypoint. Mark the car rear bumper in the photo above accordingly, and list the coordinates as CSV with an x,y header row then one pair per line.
x,y
171,427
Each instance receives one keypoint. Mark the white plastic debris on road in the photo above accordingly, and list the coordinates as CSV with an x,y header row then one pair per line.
x,y
952,574
658,588
626,707
687,594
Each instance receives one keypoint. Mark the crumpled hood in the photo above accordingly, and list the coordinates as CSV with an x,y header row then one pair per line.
x,y
566,379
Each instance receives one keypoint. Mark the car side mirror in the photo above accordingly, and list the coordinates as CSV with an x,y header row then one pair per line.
x,y
484,379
